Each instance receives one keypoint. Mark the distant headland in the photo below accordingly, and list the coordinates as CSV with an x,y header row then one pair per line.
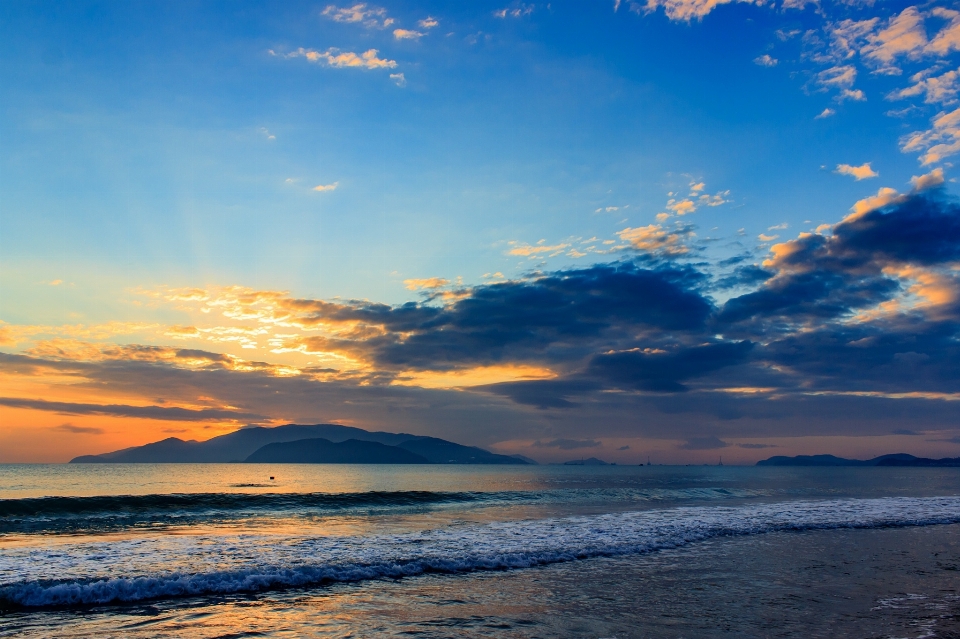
x,y
896,459
313,444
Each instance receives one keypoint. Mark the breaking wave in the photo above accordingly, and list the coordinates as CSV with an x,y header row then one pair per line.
x,y
106,513
312,561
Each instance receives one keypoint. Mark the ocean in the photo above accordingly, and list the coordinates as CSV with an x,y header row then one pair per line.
x,y
261,550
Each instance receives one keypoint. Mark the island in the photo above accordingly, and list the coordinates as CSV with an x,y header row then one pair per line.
x,y
896,459
297,443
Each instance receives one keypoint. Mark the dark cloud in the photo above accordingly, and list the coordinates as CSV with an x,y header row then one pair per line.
x,y
553,317
120,410
638,349
743,276
949,440
905,431
757,446
624,448
704,443
822,277
80,430
664,371
922,229
567,444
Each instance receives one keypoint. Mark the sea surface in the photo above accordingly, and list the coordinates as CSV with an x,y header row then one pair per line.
x,y
260,550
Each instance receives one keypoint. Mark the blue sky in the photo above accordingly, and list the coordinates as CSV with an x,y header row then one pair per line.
x,y
151,148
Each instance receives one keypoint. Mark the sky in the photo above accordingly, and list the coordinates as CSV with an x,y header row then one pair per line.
x,y
631,229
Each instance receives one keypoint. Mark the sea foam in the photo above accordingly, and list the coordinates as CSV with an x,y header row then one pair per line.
x,y
77,576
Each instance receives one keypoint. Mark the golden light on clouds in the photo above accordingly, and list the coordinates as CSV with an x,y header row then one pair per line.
x,y
477,376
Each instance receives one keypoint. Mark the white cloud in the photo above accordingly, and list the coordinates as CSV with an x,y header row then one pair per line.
x,y
948,38
399,79
942,89
928,181
838,77
938,142
714,200
370,17
343,59
855,94
681,207
799,4
766,61
826,113
407,34
428,283
904,35
428,23
326,187
884,197
526,250
654,238
862,172
517,12
685,10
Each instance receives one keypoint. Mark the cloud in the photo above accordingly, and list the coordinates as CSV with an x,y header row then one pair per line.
x,y
942,89
684,10
826,113
928,181
862,172
370,17
938,142
526,250
121,410
338,59
326,187
407,34
766,61
55,283
568,444
704,443
399,79
624,448
427,283
654,238
428,23
664,371
79,430
904,35
841,79
854,328
860,264
682,207
947,39
757,446
518,11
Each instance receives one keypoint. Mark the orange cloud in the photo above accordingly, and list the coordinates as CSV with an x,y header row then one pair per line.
x,y
653,238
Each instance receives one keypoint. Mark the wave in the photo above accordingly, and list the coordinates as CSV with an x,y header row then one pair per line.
x,y
105,513
468,548
99,513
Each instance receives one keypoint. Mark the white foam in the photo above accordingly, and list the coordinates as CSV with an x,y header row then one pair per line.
x,y
136,570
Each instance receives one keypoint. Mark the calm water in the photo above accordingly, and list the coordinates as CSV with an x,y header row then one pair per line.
x,y
211,550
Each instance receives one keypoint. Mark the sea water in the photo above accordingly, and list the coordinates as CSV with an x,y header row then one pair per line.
x,y
218,550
